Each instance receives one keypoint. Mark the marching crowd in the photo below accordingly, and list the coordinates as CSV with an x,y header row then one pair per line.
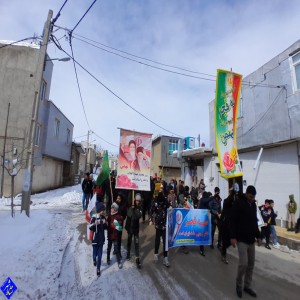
x,y
235,219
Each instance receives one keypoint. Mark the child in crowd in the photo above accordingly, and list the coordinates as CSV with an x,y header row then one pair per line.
x,y
273,224
266,213
98,225
132,226
114,221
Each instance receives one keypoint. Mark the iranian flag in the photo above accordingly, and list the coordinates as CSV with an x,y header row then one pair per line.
x,y
226,110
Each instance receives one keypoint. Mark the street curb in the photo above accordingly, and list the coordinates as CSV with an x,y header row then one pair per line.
x,y
291,243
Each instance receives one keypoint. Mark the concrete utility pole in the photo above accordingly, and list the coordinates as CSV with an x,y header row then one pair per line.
x,y
87,151
27,181
3,158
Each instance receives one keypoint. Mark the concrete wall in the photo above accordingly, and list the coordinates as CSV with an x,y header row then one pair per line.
x,y
268,115
47,176
156,157
276,176
57,146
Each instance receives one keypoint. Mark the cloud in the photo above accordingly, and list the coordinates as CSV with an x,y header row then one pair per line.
x,y
196,35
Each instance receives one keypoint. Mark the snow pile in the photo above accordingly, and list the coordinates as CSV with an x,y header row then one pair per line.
x,y
63,197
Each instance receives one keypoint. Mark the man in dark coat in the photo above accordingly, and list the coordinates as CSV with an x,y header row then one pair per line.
x,y
159,216
132,226
87,190
243,233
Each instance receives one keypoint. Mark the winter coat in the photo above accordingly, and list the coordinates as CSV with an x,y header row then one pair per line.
x,y
226,213
204,203
159,212
132,224
292,207
266,213
87,186
98,230
273,217
243,221
112,232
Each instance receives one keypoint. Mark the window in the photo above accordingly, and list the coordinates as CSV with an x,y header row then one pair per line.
x,y
173,146
68,136
43,90
37,135
295,61
57,123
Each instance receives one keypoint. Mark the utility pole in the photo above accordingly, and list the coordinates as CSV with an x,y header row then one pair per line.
x,y
198,139
3,157
27,181
87,151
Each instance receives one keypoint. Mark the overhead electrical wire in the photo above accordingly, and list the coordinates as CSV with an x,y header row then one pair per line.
x,y
118,97
83,16
58,14
104,139
252,84
133,55
263,115
55,41
78,85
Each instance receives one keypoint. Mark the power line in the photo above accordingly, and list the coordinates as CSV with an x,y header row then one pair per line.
x,y
78,85
104,139
263,115
117,95
170,71
83,16
58,14
253,84
153,61
145,64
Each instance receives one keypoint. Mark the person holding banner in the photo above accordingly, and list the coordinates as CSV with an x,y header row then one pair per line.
x,y
132,226
159,215
243,234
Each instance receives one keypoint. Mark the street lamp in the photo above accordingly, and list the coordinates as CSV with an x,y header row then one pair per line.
x,y
59,59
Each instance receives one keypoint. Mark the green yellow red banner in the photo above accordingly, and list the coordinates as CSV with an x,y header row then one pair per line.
x,y
226,111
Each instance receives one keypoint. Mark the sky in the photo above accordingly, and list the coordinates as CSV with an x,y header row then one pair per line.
x,y
199,36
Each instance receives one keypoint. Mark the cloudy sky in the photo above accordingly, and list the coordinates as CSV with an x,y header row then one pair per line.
x,y
195,35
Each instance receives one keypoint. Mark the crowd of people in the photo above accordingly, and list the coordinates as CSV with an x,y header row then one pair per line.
x,y
235,219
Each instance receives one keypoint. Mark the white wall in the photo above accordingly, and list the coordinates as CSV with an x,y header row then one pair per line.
x,y
47,176
276,176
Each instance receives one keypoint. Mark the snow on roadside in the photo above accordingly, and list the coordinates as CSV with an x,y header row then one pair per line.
x,y
55,198
48,257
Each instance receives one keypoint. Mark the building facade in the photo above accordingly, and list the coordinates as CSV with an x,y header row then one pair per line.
x,y
53,131
268,131
163,163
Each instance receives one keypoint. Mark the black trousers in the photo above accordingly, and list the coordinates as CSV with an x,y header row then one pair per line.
x,y
136,244
213,230
116,250
265,233
160,233
146,208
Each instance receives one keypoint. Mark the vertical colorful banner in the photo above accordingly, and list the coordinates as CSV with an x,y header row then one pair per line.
x,y
134,160
188,227
226,111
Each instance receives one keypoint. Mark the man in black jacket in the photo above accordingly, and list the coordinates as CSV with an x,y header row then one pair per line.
x,y
243,233
87,189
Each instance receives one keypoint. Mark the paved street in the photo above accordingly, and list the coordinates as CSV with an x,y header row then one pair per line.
x,y
191,276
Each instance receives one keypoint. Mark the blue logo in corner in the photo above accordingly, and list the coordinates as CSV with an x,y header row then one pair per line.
x,y
8,288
